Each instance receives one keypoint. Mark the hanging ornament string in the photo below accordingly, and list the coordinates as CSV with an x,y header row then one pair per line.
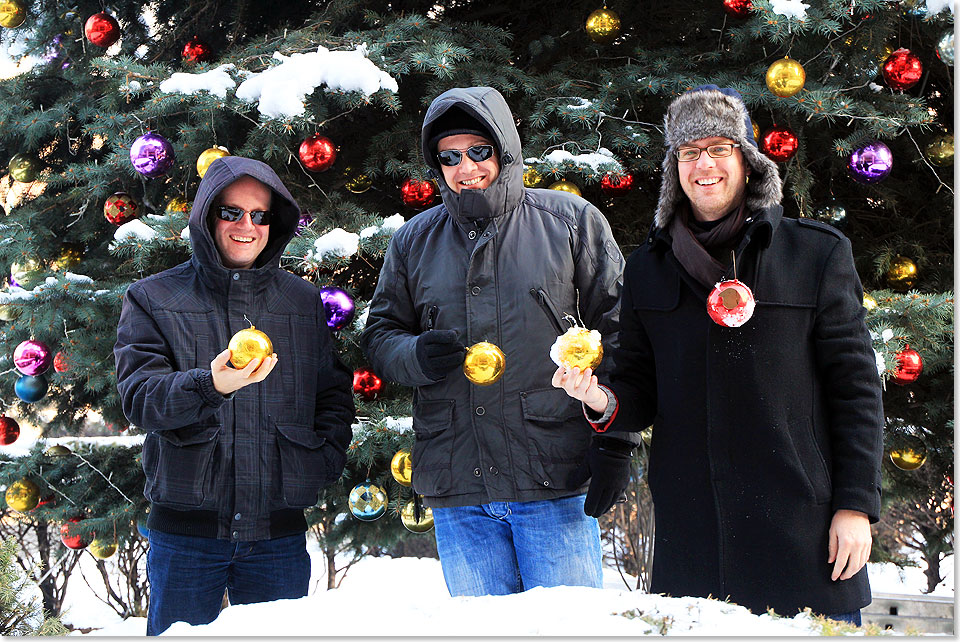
x,y
731,303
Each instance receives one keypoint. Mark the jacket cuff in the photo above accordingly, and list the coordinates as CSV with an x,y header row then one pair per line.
x,y
208,393
858,499
602,422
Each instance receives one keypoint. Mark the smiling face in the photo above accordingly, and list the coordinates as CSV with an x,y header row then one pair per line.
x,y
469,174
714,186
240,242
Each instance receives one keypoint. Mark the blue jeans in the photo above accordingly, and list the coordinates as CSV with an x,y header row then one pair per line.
x,y
507,547
853,617
187,575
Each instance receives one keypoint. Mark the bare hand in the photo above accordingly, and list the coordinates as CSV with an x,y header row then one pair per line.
x,y
227,379
849,544
581,386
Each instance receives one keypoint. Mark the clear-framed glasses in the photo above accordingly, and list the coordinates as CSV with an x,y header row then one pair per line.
x,y
476,153
720,150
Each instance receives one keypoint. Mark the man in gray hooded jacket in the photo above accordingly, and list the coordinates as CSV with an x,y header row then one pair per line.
x,y
231,456
503,466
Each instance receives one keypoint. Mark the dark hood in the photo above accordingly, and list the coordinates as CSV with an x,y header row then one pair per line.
x,y
489,107
283,226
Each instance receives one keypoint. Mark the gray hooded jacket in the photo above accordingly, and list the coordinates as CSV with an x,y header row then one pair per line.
x,y
239,467
541,254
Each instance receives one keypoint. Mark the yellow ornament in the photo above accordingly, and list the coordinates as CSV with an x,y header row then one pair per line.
x,y
484,363
578,348
869,302
603,26
24,167
756,132
411,524
940,150
26,272
177,205
402,467
357,182
247,345
902,274
531,177
566,186
208,156
647,435
57,450
9,311
22,495
910,456
12,14
785,77
70,255
102,549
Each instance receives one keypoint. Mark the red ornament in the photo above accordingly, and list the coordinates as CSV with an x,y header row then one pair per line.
x,y
196,50
72,535
60,362
317,153
731,303
416,193
616,184
9,431
102,29
366,383
779,144
902,69
738,8
909,366
120,208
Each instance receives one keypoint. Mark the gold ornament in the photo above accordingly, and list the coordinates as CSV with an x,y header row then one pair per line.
x,y
603,26
484,363
12,14
57,450
785,77
208,156
25,273
24,167
869,302
902,274
357,182
531,177
177,205
247,345
647,435
102,549
402,467
910,456
940,150
579,348
412,525
70,255
756,132
9,311
22,495
566,186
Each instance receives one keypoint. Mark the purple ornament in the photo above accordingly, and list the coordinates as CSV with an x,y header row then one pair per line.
x,y
305,220
870,163
32,357
13,282
339,307
152,155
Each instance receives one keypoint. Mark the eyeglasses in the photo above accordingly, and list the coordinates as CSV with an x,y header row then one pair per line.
x,y
721,150
233,214
453,157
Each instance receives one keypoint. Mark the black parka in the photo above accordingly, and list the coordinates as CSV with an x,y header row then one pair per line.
x,y
760,433
537,255
240,467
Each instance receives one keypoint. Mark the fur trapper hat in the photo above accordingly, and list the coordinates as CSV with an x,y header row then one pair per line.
x,y
704,112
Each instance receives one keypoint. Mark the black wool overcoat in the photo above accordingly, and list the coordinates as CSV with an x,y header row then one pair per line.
x,y
762,432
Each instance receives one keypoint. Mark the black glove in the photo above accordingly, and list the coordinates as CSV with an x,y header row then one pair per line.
x,y
608,467
439,352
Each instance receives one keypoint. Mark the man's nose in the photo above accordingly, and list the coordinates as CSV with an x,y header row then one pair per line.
x,y
705,160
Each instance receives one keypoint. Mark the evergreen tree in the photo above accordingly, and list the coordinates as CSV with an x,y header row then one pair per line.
x,y
589,100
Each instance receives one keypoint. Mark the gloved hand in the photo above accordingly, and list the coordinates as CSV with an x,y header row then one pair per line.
x,y
439,352
608,467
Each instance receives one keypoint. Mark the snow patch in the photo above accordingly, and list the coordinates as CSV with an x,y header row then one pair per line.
x,y
216,81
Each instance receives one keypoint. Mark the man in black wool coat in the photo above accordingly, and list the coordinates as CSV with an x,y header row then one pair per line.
x,y
767,433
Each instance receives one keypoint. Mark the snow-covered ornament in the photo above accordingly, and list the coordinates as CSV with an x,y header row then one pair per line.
x,y
578,347
731,302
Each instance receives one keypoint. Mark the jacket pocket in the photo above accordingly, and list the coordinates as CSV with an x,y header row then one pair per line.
x,y
811,459
557,437
180,466
540,296
433,448
304,467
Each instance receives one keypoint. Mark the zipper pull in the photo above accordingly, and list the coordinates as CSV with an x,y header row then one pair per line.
x,y
432,315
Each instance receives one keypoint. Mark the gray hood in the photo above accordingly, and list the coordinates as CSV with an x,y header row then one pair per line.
x,y
221,173
489,107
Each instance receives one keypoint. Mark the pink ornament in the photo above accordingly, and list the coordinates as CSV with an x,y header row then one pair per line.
x,y
731,303
32,357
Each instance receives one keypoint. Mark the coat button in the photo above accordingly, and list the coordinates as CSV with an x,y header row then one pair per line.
x,y
486,234
475,290
236,276
476,472
237,516
546,483
236,535
494,470
472,234
480,411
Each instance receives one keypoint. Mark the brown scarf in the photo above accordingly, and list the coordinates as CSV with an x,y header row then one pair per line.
x,y
691,247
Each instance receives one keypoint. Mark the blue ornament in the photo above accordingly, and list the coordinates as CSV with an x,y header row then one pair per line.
x,y
31,389
367,501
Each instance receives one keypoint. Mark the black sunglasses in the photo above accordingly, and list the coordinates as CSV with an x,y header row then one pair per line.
x,y
233,214
453,157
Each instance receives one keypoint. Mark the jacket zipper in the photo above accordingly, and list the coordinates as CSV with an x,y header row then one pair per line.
x,y
548,308
432,315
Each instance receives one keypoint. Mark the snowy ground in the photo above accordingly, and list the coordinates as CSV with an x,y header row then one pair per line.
x,y
407,597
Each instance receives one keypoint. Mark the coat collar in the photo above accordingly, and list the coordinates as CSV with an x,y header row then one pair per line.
x,y
761,225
